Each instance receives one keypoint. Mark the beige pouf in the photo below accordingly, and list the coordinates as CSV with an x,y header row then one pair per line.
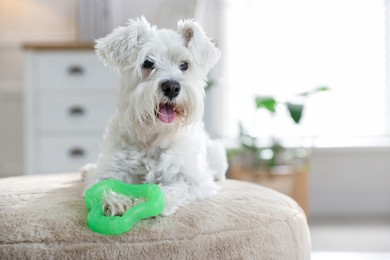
x,y
44,217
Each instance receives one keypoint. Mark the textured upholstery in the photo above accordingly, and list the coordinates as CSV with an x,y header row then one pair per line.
x,y
44,217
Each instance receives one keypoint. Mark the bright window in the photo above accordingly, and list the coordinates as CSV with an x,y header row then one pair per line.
x,y
283,47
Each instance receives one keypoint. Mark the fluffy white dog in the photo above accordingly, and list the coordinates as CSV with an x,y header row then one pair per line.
x,y
157,135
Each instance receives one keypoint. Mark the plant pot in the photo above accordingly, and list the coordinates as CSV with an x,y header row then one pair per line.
x,y
289,179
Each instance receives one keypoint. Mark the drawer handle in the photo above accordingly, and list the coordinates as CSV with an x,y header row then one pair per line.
x,y
75,70
77,152
76,111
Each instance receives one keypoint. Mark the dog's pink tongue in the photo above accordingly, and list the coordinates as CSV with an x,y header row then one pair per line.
x,y
166,114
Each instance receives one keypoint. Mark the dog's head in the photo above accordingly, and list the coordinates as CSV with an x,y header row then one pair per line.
x,y
163,72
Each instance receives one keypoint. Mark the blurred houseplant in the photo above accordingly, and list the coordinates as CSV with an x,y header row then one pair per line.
x,y
270,162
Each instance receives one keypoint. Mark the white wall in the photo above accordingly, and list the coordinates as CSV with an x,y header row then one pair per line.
x,y
350,182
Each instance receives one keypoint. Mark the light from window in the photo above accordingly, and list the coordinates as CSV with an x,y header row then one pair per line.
x,y
283,47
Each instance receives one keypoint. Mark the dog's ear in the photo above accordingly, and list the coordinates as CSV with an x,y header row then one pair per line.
x,y
116,49
203,50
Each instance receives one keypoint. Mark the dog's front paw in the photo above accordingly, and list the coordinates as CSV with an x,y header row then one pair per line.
x,y
86,170
117,204
169,210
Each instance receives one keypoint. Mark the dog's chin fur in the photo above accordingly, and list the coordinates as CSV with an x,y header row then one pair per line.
x,y
138,146
138,109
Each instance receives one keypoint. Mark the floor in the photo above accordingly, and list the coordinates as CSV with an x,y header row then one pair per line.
x,y
346,238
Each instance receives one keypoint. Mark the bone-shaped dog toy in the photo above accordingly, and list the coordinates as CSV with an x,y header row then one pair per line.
x,y
113,225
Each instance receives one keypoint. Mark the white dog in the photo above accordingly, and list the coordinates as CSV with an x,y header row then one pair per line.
x,y
157,135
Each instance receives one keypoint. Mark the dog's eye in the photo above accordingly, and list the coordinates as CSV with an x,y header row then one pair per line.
x,y
148,64
183,66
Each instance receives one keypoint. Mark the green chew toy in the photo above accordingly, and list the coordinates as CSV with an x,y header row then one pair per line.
x,y
114,225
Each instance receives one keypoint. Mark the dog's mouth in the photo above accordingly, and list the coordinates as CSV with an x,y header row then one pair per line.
x,y
167,113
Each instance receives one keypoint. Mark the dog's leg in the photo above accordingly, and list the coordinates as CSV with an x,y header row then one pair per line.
x,y
115,165
86,170
217,161
181,193
176,195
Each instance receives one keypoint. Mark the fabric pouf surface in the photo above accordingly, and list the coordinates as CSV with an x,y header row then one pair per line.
x,y
44,217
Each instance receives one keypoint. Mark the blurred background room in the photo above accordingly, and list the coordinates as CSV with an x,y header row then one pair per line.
x,y
300,98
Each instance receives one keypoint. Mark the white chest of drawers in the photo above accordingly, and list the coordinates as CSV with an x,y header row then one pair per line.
x,y
69,98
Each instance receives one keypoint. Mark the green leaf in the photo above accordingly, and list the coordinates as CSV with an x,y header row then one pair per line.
x,y
209,84
321,88
230,153
304,94
313,91
295,111
268,103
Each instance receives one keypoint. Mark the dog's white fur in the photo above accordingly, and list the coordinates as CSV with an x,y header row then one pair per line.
x,y
138,147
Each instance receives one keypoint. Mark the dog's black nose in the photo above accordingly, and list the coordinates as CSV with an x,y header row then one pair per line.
x,y
171,88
